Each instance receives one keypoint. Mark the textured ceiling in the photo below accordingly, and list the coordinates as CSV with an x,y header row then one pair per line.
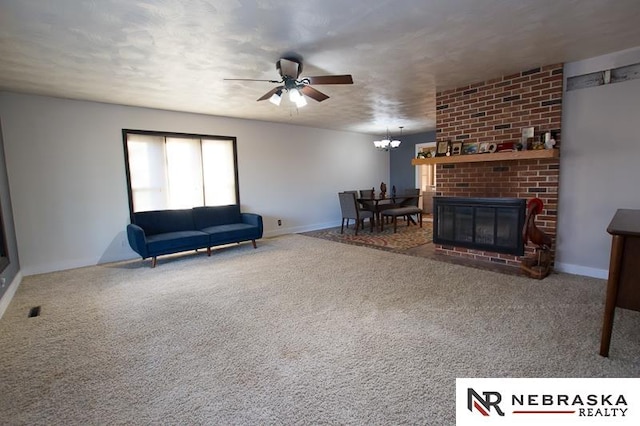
x,y
174,55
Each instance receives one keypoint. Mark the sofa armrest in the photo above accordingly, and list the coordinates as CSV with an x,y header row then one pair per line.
x,y
137,240
252,219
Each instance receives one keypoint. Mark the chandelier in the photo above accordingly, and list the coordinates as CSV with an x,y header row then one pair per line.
x,y
388,144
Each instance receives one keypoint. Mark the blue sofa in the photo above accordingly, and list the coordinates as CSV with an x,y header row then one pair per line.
x,y
158,232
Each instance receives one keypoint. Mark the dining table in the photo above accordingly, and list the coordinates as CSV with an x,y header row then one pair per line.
x,y
377,204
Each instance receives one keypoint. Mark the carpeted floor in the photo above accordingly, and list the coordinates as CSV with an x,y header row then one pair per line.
x,y
299,331
406,237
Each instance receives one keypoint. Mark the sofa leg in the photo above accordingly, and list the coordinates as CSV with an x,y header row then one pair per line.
x,y
254,243
208,251
154,261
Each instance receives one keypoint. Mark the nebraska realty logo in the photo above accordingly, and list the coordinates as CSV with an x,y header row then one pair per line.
x,y
554,401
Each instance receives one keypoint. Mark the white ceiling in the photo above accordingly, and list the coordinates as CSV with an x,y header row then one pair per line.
x,y
174,55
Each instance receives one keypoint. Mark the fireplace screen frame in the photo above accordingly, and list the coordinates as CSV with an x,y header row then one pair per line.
x,y
461,206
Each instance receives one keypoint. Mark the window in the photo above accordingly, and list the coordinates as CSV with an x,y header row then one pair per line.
x,y
179,171
426,173
427,176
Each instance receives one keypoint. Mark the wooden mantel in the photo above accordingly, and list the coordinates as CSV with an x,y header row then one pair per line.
x,y
532,154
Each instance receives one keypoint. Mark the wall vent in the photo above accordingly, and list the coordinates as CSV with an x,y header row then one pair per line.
x,y
614,75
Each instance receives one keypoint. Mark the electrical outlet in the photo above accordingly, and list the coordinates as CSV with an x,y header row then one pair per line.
x,y
279,222
3,282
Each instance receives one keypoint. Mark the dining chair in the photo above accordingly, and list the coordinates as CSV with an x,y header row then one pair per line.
x,y
352,191
366,193
351,210
415,202
406,208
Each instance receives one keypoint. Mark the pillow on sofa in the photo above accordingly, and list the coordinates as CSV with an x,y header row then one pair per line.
x,y
204,217
162,221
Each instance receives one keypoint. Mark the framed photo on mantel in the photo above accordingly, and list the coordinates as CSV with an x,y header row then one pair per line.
x,y
469,148
456,148
442,148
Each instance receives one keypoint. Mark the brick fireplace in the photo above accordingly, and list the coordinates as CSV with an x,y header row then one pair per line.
x,y
497,111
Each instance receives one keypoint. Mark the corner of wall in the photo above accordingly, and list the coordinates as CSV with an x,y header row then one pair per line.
x,y
581,270
6,298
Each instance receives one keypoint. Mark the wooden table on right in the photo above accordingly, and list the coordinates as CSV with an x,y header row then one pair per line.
x,y
623,285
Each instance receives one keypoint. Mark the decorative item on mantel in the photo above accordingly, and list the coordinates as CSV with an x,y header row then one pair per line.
x,y
383,190
549,141
539,265
426,153
527,136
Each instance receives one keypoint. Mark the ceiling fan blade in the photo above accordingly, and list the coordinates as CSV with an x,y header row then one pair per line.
x,y
269,93
288,68
250,79
331,79
313,93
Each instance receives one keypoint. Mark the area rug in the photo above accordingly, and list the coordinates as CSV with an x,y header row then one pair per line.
x,y
407,237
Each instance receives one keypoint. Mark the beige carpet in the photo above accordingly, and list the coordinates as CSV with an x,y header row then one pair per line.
x,y
300,331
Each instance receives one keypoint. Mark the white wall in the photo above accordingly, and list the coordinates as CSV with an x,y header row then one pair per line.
x,y
67,178
599,170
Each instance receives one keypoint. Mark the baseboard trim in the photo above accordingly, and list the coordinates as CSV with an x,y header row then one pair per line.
x,y
581,270
298,229
58,266
8,295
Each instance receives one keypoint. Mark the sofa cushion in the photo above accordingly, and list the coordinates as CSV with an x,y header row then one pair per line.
x,y
171,242
223,234
163,221
205,217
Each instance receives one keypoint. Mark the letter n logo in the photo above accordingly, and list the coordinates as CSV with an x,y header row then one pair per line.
x,y
483,405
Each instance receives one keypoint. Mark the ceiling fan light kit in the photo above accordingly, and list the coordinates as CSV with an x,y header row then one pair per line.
x,y
297,98
276,98
300,101
290,69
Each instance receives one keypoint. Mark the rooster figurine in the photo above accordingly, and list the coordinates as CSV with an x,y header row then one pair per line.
x,y
530,232
540,265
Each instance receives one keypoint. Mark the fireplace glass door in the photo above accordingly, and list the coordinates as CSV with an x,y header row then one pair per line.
x,y
490,224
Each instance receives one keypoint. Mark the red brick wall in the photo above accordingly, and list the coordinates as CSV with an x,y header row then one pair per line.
x,y
496,111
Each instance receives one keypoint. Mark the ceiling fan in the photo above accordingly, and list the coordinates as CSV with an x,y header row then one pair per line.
x,y
289,69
